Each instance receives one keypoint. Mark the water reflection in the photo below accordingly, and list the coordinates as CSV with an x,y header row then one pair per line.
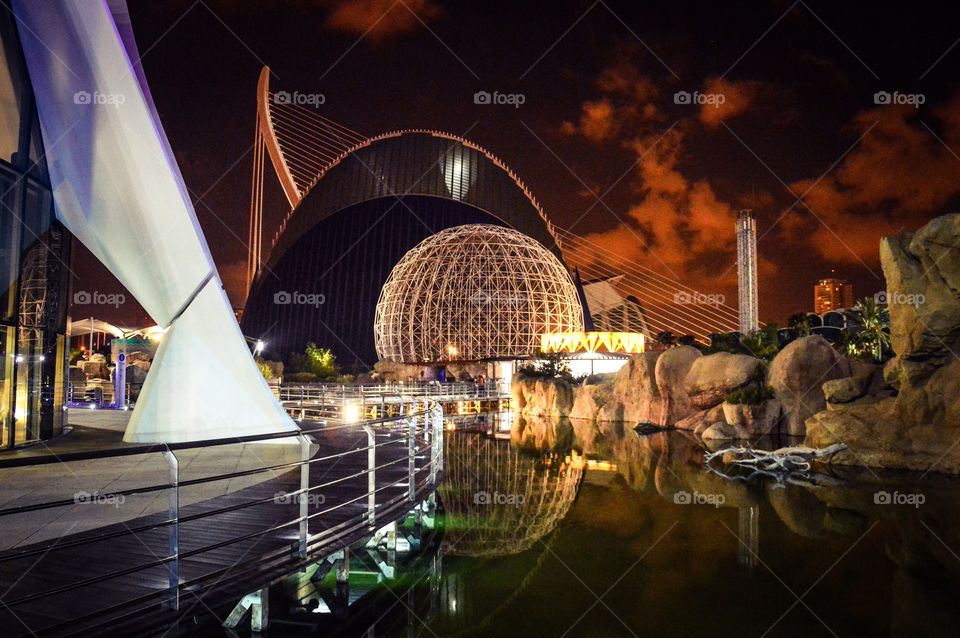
x,y
671,548
498,500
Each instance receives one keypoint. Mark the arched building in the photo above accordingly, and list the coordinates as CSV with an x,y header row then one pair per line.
x,y
354,222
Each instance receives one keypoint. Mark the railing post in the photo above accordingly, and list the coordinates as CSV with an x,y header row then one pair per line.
x,y
304,496
371,476
412,454
173,529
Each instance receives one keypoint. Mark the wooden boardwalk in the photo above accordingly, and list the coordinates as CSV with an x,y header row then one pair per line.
x,y
120,579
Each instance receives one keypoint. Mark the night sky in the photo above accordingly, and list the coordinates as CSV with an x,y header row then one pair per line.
x,y
599,118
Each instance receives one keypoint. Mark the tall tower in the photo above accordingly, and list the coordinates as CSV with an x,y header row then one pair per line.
x,y
747,270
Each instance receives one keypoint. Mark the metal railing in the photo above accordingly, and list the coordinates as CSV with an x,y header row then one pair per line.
x,y
411,439
311,399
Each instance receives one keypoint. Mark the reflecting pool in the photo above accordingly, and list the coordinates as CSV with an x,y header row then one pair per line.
x,y
643,540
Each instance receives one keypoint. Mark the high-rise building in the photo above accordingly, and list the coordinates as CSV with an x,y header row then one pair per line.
x,y
747,271
831,294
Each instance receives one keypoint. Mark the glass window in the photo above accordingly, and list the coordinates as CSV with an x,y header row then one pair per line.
x,y
10,231
8,353
11,90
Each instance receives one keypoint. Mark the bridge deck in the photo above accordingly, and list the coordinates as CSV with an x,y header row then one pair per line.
x,y
215,567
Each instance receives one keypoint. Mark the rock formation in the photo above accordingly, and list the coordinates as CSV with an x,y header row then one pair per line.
x,y
797,375
919,427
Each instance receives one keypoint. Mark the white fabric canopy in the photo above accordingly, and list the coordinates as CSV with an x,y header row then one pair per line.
x,y
118,190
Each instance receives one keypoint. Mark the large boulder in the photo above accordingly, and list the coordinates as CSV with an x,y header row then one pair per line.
x,y
697,420
797,375
671,372
713,377
755,420
922,270
590,396
841,390
876,436
634,396
541,397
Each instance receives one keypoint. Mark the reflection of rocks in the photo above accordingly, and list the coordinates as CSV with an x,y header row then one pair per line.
x,y
797,375
844,506
723,432
542,433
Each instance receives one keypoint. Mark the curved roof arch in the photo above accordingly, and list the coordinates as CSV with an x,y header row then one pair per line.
x,y
420,162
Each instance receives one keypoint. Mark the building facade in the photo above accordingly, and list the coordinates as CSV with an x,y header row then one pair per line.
x,y
34,263
328,266
832,294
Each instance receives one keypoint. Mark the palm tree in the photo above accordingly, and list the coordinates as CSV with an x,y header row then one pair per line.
x,y
873,323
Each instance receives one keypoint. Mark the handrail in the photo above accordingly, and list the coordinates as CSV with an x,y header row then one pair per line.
x,y
66,457
417,430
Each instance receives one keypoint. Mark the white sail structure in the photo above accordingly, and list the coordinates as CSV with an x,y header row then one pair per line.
x,y
117,188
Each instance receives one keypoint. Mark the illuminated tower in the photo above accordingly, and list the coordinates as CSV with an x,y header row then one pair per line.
x,y
747,270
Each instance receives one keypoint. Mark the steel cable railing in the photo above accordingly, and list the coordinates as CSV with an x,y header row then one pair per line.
x,y
413,435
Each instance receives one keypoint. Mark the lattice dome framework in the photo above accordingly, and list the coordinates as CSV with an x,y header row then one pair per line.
x,y
474,292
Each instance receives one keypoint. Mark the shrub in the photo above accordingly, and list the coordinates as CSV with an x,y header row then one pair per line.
x,y
750,394
551,365
315,360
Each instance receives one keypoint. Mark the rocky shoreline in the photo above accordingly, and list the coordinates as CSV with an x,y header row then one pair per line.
x,y
903,415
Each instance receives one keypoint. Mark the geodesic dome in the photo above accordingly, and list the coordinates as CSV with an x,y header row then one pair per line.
x,y
474,292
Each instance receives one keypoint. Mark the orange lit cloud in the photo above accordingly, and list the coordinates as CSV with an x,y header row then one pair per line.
x,y
628,97
380,19
898,173
736,98
598,122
